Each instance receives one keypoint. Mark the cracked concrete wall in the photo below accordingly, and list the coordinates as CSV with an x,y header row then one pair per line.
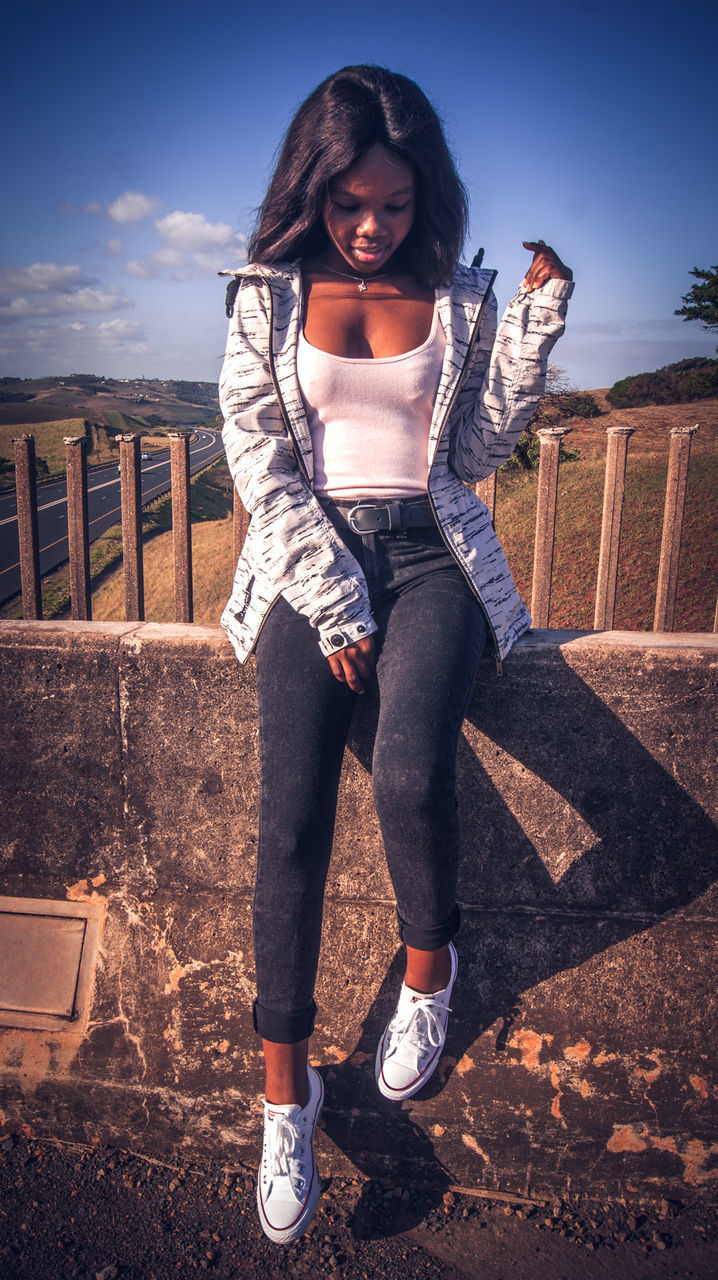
x,y
582,1042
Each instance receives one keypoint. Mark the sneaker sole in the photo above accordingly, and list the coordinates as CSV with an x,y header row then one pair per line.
x,y
399,1095
285,1235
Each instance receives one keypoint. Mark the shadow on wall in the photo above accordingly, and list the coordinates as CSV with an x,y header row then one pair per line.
x,y
580,839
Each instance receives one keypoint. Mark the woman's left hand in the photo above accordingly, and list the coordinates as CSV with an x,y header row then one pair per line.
x,y
546,266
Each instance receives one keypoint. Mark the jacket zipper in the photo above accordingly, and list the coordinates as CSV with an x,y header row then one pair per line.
x,y
282,407
473,338
290,432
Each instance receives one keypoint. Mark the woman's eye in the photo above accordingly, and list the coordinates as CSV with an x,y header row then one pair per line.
x,y
396,208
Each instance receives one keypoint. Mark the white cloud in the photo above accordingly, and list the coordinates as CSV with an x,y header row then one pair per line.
x,y
44,348
191,246
120,329
210,263
192,231
113,246
92,206
110,299
167,256
132,206
182,265
143,268
41,277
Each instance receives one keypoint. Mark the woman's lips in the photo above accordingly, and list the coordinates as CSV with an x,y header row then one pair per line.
x,y
367,254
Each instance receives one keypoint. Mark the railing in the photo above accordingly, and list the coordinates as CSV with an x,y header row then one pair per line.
x,y
130,467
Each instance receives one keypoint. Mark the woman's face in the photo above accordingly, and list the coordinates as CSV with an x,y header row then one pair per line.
x,y
369,211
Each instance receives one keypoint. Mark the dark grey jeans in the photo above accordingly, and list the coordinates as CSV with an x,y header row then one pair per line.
x,y
431,635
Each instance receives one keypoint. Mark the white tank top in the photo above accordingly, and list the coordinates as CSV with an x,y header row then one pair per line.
x,y
370,419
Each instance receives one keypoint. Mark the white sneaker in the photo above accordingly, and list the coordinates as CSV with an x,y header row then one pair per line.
x,y
288,1180
411,1046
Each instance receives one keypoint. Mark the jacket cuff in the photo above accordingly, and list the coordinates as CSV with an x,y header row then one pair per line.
x,y
332,639
553,288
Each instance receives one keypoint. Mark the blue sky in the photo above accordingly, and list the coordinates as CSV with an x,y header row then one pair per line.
x,y
141,138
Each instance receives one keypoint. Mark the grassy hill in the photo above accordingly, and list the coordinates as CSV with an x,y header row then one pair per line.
x,y
100,407
84,395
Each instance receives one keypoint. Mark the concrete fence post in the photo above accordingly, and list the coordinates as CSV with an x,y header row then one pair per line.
x,y
78,536
131,489
613,494
550,442
27,529
676,482
486,490
240,525
181,525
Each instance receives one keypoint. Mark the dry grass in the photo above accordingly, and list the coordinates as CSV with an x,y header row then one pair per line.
x,y
578,532
212,572
49,448
48,439
651,426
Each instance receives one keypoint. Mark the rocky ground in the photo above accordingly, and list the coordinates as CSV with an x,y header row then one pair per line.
x,y
69,1211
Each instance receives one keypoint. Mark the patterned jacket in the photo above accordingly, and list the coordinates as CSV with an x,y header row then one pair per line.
x,y
488,389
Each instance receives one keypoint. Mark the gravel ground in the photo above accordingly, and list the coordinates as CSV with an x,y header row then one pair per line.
x,y
70,1211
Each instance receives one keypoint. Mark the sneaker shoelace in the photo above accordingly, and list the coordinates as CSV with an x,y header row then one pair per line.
x,y
412,1031
283,1139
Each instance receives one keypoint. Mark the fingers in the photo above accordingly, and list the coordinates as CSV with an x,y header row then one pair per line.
x,y
354,665
546,266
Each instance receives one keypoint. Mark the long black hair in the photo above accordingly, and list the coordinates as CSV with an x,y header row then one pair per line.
x,y
347,114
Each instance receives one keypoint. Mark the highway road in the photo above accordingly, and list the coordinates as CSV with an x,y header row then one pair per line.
x,y
103,507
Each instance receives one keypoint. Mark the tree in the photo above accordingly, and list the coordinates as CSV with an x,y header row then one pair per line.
x,y
701,301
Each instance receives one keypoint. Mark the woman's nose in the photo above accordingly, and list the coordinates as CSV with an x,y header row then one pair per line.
x,y
369,223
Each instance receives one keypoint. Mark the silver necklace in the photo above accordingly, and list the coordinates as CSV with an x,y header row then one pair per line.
x,y
359,280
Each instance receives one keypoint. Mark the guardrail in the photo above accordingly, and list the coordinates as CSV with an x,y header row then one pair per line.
x,y
130,468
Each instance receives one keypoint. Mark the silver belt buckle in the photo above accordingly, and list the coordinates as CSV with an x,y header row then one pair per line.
x,y
392,509
360,506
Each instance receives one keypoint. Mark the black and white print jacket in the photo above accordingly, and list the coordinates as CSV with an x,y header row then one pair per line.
x,y
489,387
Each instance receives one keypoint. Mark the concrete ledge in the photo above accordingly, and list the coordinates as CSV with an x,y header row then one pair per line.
x,y
582,1042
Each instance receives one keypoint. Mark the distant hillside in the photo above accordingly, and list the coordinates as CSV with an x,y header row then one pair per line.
x,y
101,408
119,403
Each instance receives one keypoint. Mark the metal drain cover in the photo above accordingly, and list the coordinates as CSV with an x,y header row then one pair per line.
x,y
47,960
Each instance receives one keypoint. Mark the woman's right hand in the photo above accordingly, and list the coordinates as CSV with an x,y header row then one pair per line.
x,y
355,664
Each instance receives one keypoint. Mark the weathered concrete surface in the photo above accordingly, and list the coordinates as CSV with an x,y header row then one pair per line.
x,y
581,1048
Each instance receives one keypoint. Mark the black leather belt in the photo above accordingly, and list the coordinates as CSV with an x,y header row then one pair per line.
x,y
394,516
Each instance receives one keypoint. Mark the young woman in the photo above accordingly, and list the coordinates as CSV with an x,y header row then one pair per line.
x,y
364,389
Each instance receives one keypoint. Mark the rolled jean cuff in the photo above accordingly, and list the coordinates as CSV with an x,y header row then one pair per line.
x,y
284,1028
430,939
